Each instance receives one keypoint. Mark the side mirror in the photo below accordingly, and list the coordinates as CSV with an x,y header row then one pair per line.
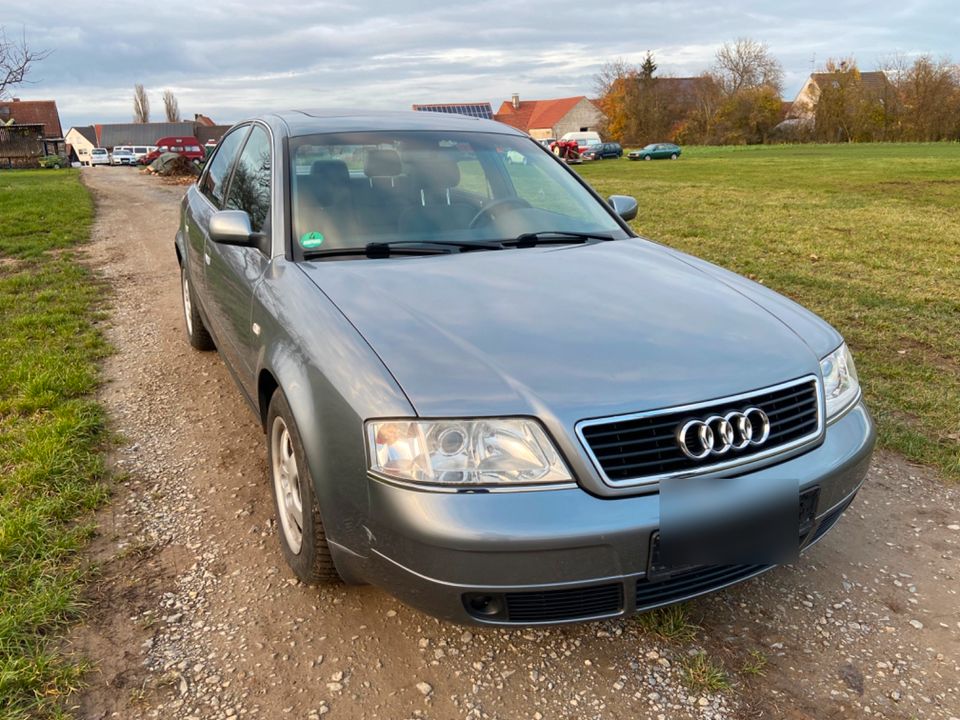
x,y
232,227
624,206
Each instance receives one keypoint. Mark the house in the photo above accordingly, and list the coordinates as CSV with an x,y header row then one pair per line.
x,y
201,120
804,106
543,119
82,140
472,109
40,113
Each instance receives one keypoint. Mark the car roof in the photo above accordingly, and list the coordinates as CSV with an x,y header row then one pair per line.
x,y
308,122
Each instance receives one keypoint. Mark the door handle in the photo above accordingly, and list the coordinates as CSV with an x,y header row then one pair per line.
x,y
206,258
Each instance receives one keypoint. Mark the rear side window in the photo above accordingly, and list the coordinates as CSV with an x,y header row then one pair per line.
x,y
250,186
218,169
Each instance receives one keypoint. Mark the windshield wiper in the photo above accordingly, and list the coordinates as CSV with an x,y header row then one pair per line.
x,y
387,249
383,249
554,237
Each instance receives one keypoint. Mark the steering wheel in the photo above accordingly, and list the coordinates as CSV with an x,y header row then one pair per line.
x,y
502,202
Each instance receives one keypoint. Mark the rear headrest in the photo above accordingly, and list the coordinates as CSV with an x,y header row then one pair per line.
x,y
437,172
382,163
330,171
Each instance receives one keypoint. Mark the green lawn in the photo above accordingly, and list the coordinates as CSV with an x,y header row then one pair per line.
x,y
51,431
868,236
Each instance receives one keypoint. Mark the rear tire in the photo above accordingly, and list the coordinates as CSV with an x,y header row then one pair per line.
x,y
197,334
303,541
673,157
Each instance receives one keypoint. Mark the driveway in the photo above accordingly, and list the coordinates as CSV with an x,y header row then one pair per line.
x,y
194,614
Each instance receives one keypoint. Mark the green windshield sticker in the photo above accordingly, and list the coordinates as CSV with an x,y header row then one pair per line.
x,y
311,240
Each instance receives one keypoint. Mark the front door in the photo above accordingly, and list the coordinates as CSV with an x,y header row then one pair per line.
x,y
233,273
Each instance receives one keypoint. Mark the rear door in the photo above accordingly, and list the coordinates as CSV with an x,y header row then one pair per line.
x,y
206,198
233,273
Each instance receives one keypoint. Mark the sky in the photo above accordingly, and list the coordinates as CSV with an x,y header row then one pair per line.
x,y
236,58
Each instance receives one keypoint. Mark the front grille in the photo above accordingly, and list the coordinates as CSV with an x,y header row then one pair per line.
x,y
644,446
560,605
692,583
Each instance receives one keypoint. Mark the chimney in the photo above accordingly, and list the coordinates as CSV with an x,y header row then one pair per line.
x,y
515,101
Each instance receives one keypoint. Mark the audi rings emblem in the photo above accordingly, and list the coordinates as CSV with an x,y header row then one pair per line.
x,y
718,434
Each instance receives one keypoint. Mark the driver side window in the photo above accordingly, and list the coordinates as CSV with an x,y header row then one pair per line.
x,y
218,169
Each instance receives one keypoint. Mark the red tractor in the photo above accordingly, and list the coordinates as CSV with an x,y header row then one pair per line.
x,y
567,150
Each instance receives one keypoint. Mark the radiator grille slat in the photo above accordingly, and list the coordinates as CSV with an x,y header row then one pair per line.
x,y
635,448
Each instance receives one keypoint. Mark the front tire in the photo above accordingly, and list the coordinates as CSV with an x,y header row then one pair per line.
x,y
647,157
197,334
303,540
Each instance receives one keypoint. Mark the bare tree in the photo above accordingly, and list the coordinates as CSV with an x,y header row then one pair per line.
x,y
746,63
170,106
141,104
16,60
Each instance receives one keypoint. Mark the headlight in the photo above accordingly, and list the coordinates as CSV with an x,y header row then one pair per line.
x,y
840,382
490,451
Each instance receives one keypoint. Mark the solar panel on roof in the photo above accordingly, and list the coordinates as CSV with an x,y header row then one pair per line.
x,y
477,110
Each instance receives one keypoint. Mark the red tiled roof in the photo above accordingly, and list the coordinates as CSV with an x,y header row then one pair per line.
x,y
33,112
202,119
536,113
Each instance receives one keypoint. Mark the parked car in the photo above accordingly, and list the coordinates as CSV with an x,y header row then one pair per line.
x,y
547,142
656,151
483,392
187,146
122,156
99,156
603,151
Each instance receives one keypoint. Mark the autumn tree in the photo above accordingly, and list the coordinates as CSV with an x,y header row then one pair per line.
x,y
748,116
839,110
171,107
16,61
930,93
746,63
141,104
615,89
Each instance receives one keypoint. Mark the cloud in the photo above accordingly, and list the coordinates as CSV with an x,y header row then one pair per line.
x,y
239,57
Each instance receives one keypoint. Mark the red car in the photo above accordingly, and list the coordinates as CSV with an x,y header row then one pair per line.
x,y
187,146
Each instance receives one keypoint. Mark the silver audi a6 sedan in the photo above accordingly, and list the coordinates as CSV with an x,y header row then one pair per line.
x,y
484,393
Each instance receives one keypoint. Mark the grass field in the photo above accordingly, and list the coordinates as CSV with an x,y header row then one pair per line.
x,y
51,431
868,236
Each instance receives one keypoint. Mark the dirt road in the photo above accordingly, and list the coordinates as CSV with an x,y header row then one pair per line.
x,y
195,616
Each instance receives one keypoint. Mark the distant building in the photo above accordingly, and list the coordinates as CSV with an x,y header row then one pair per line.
x,y
111,135
82,140
209,133
543,119
38,131
200,119
804,107
472,109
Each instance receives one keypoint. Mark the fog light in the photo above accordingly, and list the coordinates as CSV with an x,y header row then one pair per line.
x,y
483,605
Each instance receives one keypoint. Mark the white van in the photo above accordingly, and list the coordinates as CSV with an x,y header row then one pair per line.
x,y
585,139
140,150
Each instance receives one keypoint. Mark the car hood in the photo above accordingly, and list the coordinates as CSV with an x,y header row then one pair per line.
x,y
570,332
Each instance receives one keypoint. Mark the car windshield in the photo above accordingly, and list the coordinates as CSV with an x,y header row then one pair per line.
x,y
352,189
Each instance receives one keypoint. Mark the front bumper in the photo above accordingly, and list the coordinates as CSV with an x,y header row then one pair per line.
x,y
565,555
